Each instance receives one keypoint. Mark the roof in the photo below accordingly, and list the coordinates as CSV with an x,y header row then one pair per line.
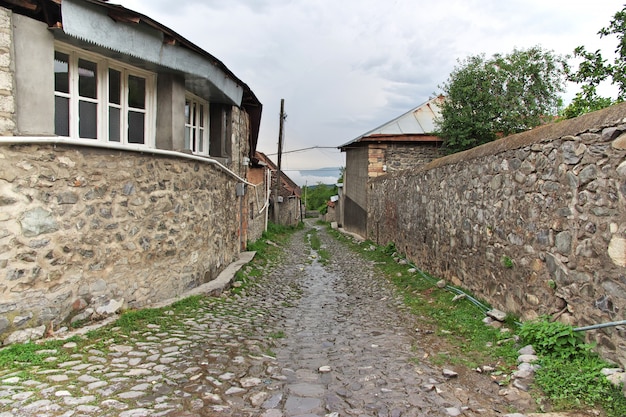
x,y
287,183
416,125
76,19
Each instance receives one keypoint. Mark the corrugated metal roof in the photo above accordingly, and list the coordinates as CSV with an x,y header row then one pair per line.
x,y
417,121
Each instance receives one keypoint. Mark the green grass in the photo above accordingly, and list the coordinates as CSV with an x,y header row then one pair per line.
x,y
277,335
312,238
570,376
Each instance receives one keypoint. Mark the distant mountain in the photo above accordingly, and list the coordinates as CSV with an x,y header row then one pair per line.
x,y
314,176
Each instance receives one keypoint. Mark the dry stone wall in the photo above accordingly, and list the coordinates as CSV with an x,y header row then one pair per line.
x,y
82,228
534,223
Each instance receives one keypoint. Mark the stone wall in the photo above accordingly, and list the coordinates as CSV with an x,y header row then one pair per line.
x,y
288,211
534,223
7,99
257,197
80,227
399,156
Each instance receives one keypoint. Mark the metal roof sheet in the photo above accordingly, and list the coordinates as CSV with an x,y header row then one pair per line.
x,y
417,121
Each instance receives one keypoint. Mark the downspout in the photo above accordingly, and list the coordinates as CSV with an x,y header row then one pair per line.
x,y
268,180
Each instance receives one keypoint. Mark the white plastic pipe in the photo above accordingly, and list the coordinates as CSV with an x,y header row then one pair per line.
x,y
56,140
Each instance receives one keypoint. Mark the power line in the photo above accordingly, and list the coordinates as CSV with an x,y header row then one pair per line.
x,y
303,149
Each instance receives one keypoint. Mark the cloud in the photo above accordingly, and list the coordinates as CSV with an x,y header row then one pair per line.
x,y
345,67
302,179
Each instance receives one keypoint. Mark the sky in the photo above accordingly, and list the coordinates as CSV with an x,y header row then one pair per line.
x,y
345,67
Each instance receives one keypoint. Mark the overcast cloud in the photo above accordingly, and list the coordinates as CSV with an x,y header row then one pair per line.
x,y
346,67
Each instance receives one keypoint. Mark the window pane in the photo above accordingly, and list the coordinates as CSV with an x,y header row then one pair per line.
x,y
87,78
61,72
62,116
201,115
135,127
87,120
187,138
114,124
136,92
187,112
115,86
200,141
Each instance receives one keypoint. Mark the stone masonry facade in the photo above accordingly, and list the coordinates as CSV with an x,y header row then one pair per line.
x,y
80,227
390,157
534,223
7,100
86,231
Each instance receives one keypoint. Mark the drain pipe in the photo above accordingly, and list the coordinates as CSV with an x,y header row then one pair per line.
x,y
600,326
454,290
485,308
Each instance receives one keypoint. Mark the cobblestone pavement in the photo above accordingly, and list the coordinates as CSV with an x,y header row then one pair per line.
x,y
306,339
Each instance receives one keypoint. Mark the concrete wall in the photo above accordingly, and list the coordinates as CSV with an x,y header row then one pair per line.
x,y
170,132
534,223
354,198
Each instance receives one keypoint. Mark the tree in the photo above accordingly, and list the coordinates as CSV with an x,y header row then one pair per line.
x,y
318,195
594,69
499,96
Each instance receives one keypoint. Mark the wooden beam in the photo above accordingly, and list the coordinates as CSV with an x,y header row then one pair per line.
x,y
123,17
25,4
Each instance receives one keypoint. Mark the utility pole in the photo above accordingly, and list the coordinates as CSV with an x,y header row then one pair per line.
x,y
280,155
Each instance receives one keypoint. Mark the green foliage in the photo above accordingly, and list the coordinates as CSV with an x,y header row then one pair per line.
x,y
316,244
553,339
24,355
341,175
390,249
460,322
594,69
506,262
487,98
577,383
570,375
316,196
277,335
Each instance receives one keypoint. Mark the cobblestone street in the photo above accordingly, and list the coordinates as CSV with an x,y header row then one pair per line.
x,y
306,339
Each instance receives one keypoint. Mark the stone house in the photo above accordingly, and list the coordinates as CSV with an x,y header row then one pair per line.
x,y
260,175
124,150
404,142
289,194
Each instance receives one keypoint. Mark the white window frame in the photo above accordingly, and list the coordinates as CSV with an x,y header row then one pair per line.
x,y
102,101
194,126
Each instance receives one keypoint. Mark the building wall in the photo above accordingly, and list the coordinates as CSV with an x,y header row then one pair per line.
x,y
170,133
355,190
399,156
82,226
7,96
257,197
534,223
289,211
79,227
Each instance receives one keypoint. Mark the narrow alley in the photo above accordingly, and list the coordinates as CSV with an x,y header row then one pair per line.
x,y
309,338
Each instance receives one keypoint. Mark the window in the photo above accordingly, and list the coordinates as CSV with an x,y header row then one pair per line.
x,y
220,130
196,124
102,100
